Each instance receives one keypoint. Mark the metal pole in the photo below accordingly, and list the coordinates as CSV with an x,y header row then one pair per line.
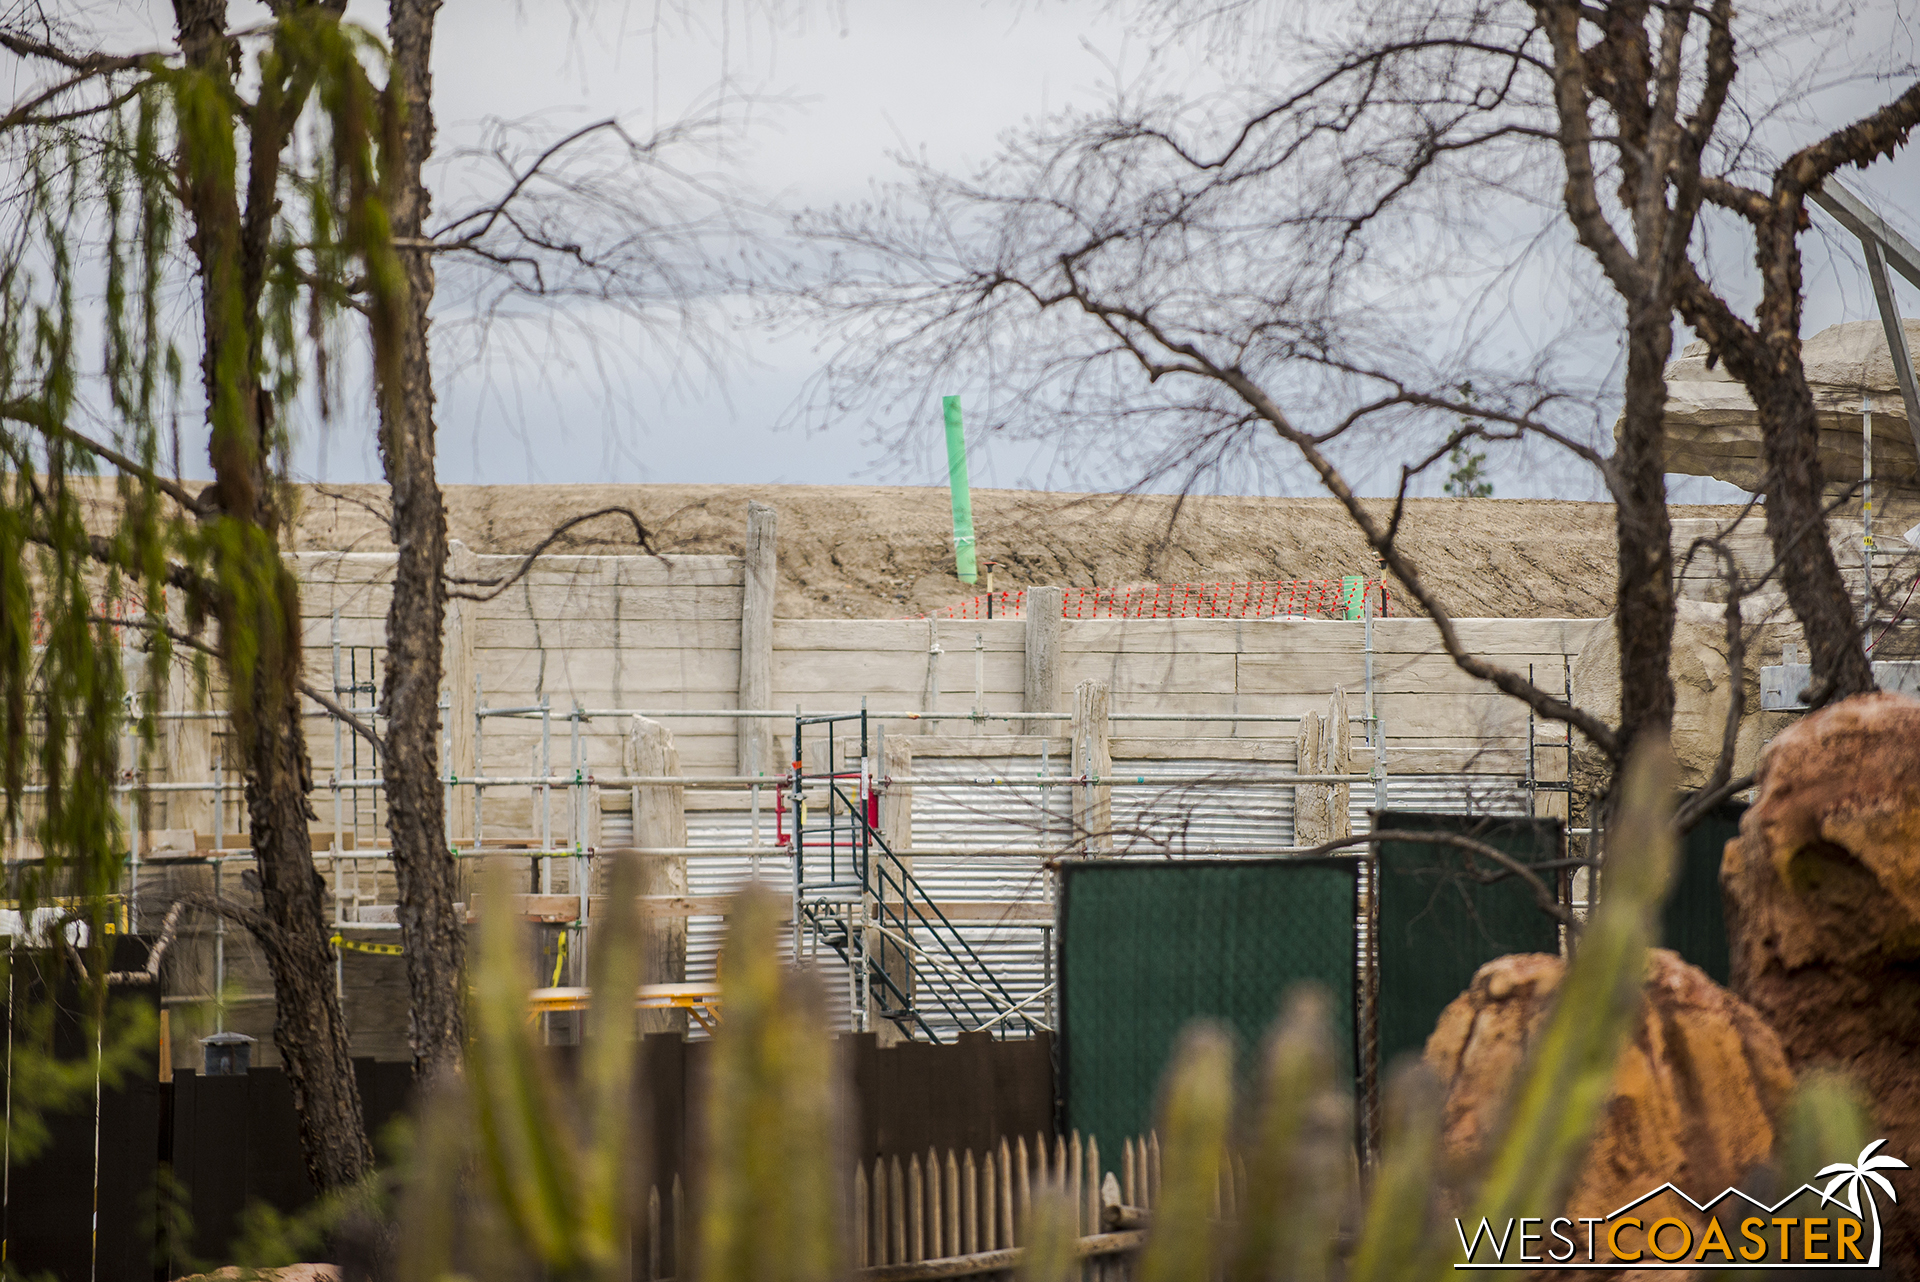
x,y
863,852
545,792
479,759
333,863
446,757
799,846
579,798
1866,518
219,919
1375,734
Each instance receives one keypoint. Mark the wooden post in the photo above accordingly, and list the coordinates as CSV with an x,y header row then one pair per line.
x,y
1043,655
1336,758
1310,826
1092,759
754,736
896,829
1323,748
660,821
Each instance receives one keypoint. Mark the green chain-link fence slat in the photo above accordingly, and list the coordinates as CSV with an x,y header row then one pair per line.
x,y
1694,922
1148,947
1438,925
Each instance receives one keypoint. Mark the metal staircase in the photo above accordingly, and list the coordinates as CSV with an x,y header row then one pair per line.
x,y
854,898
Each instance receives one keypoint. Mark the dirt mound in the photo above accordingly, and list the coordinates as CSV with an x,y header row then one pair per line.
x,y
886,551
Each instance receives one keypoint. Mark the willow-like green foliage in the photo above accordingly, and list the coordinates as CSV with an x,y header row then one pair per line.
x,y
98,566
769,1209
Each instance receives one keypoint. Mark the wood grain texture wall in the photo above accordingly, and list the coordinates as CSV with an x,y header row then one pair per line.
x,y
663,633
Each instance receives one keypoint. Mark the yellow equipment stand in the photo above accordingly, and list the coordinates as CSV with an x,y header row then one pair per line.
x,y
702,1001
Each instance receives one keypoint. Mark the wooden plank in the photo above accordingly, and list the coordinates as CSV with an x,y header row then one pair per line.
x,y
1207,636
584,668
1396,674
631,571
316,633
897,634
1165,672
558,600
1486,636
1492,716
603,630
317,568
901,675
351,600
754,739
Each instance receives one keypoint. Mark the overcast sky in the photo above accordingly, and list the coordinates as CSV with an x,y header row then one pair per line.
x,y
822,92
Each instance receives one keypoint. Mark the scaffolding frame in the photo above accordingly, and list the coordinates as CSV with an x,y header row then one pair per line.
x,y
866,916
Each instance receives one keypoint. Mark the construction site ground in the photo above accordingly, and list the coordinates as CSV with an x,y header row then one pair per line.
x,y
887,551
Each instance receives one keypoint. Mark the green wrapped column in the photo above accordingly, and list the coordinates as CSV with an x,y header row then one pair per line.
x,y
964,564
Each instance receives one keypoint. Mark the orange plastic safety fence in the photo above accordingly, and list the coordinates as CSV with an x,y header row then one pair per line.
x,y
1276,599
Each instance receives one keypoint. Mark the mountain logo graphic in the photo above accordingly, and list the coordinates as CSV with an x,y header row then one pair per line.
x,y
1722,1233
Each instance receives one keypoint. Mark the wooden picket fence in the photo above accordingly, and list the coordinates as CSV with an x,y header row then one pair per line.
x,y
957,1207
965,1215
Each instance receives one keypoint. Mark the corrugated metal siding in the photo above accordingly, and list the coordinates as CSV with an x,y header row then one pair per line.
x,y
1224,808
723,875
1200,818
983,818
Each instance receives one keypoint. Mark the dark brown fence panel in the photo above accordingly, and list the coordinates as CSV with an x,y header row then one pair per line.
x,y
236,1140
49,1206
968,1095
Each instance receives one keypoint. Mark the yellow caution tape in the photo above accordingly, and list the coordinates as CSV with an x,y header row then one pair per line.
x,y
355,946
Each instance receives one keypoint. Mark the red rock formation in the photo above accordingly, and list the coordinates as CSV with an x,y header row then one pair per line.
x,y
1694,1097
1823,916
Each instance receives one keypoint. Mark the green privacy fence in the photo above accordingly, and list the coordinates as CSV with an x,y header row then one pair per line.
x,y
1694,923
1147,947
1439,923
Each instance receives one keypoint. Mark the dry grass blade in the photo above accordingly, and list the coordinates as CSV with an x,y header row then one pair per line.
x,y
1050,1246
769,1213
1298,1166
526,1150
1198,1105
610,1064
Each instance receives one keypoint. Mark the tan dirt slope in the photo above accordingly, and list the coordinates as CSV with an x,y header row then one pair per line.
x,y
886,551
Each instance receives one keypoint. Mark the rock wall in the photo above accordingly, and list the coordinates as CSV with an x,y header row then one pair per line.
x,y
1694,1098
1703,686
1823,914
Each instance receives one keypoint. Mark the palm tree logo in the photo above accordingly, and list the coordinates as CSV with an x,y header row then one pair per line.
x,y
1855,1176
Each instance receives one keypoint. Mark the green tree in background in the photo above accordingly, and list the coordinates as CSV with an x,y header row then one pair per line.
x,y
1466,475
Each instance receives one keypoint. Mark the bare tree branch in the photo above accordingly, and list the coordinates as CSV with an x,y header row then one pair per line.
x,y
1544,896
501,583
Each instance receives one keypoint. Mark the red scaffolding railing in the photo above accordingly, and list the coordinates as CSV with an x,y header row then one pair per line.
x,y
1343,598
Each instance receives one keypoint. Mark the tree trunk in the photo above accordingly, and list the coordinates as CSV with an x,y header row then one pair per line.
x,y
259,614
1795,486
1643,617
423,865
309,1028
